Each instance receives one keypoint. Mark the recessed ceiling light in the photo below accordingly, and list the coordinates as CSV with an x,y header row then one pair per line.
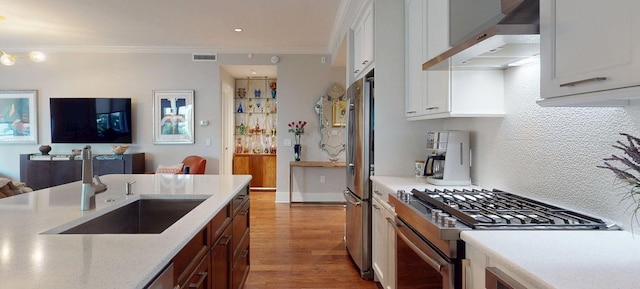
x,y
2,18
237,29
253,72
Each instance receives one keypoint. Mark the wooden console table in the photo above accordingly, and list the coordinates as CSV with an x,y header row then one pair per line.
x,y
304,164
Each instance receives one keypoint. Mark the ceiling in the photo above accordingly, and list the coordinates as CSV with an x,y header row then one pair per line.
x,y
269,26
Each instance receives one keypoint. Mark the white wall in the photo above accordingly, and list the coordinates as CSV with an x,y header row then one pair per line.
x,y
398,143
550,154
133,75
302,79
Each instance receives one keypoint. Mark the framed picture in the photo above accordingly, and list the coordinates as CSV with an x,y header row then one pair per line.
x,y
18,117
339,112
173,117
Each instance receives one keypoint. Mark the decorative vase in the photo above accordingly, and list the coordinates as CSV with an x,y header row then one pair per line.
x,y
45,149
297,151
273,93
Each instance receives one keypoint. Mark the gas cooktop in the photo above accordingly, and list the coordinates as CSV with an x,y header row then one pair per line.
x,y
495,209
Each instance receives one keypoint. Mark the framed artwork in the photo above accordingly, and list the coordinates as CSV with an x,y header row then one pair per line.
x,y
173,117
339,112
18,117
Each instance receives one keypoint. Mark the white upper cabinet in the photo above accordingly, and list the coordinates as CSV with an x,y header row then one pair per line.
x,y
415,39
363,37
590,52
443,93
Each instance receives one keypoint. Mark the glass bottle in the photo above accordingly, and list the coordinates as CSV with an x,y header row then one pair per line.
x,y
239,146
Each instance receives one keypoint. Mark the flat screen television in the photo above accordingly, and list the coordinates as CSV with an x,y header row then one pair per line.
x,y
90,120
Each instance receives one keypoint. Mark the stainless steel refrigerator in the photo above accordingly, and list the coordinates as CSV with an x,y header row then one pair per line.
x,y
360,166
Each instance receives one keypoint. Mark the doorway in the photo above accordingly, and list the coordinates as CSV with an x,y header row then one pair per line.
x,y
249,118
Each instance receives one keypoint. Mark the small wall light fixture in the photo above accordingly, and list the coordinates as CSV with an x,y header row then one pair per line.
x,y
10,59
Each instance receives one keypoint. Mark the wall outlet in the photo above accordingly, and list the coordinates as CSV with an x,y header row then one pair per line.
x,y
322,179
287,142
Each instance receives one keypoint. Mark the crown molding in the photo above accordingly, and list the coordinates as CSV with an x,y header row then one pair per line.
x,y
171,49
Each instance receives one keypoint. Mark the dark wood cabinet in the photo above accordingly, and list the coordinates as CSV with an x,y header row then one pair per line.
x,y
39,174
220,261
218,256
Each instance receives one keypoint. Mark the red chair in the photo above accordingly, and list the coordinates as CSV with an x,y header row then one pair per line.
x,y
196,164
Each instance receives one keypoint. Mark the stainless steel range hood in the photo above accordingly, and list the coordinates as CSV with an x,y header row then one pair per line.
x,y
511,36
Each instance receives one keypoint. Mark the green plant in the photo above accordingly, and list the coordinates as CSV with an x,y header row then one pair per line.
x,y
629,170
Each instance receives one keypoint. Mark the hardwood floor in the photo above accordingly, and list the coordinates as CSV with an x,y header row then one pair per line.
x,y
299,247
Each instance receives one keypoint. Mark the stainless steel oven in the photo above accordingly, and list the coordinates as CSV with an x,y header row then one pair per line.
x,y
429,222
419,264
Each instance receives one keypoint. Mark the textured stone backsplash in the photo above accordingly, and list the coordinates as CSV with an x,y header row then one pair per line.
x,y
550,153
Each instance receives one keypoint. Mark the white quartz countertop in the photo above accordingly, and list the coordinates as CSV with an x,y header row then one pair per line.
x,y
409,183
563,259
32,258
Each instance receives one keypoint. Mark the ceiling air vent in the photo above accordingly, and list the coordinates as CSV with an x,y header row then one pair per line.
x,y
205,57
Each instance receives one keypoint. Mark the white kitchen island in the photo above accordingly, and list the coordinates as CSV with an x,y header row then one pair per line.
x,y
31,258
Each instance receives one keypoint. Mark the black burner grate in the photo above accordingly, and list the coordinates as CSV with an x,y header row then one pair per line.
x,y
486,209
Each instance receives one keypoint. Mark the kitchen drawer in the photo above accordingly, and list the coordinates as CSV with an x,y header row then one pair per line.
x,y
240,228
189,257
221,261
220,222
381,193
201,277
239,200
241,264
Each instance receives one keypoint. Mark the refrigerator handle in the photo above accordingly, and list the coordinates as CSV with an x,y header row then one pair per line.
x,y
350,199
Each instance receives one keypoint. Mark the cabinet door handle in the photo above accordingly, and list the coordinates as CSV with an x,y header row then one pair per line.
x,y
376,207
431,108
244,212
244,253
377,193
227,238
410,112
357,70
574,83
391,204
365,62
203,276
391,221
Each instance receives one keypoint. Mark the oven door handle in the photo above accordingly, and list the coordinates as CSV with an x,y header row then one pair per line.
x,y
400,231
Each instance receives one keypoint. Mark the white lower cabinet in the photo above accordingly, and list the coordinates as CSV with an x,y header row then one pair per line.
x,y
383,241
474,266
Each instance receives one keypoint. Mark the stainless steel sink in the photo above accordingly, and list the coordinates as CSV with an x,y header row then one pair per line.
x,y
144,216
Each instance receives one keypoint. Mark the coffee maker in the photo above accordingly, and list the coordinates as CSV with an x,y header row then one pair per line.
x,y
448,160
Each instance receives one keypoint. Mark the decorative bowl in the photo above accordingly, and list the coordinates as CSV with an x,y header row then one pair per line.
x,y
119,149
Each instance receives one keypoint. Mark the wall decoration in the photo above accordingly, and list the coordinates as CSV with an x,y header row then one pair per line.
x,y
173,120
18,117
339,112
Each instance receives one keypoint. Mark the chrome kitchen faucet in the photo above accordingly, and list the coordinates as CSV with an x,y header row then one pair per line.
x,y
89,187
